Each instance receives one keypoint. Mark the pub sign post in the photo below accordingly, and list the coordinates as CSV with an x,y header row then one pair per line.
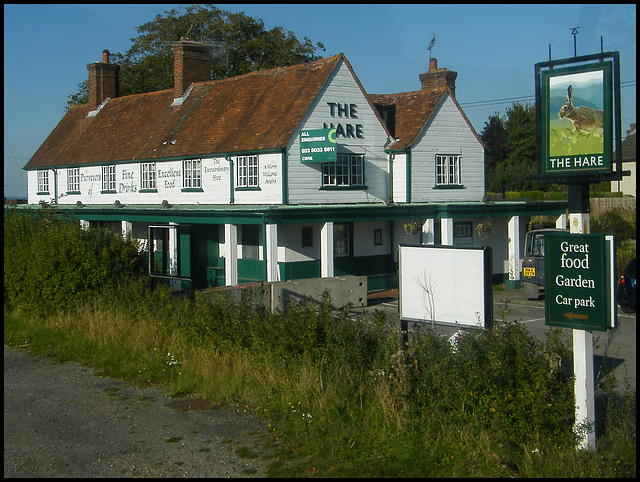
x,y
577,123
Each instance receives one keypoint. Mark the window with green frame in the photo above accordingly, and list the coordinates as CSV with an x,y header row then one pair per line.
x,y
348,170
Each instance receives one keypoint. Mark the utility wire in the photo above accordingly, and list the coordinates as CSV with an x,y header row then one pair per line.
x,y
483,103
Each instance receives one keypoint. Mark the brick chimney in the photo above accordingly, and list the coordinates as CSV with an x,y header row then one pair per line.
x,y
103,81
191,63
436,78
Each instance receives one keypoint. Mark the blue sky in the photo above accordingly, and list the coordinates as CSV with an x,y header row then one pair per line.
x,y
494,49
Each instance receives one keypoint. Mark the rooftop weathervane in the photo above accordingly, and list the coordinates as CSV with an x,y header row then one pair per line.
x,y
431,44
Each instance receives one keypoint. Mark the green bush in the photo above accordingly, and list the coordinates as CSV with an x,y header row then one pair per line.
x,y
502,379
620,222
51,263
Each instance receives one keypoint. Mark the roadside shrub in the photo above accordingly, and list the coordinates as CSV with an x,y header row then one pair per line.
x,y
502,381
620,222
51,263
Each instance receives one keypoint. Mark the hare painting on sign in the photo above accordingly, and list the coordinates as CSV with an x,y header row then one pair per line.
x,y
583,118
576,114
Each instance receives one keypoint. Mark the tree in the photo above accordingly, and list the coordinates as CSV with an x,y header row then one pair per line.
x,y
494,135
240,45
512,149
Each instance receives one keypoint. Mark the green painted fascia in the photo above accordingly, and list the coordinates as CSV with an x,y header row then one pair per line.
x,y
281,214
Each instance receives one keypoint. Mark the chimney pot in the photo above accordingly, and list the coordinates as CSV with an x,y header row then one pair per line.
x,y
105,56
433,64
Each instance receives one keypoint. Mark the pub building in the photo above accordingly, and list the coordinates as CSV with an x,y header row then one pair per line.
x,y
216,179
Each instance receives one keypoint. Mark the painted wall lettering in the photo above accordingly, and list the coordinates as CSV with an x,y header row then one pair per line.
x,y
270,173
217,170
345,111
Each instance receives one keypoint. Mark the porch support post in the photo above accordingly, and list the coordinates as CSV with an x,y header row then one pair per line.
x,y
173,250
446,225
326,250
173,256
271,238
513,229
127,227
231,254
428,232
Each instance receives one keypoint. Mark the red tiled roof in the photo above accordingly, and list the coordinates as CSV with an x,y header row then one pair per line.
x,y
413,111
252,112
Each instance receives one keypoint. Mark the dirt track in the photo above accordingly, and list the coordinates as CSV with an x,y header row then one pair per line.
x,y
61,420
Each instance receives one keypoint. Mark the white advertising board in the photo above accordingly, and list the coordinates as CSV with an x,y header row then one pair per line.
x,y
445,285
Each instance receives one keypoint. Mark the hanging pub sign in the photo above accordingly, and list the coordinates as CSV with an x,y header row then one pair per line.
x,y
575,117
318,145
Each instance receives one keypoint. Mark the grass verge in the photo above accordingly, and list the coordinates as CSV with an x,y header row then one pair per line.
x,y
340,401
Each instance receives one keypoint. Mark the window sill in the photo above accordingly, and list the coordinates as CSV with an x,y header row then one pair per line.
x,y
253,188
73,193
109,191
42,193
449,186
148,190
344,188
191,189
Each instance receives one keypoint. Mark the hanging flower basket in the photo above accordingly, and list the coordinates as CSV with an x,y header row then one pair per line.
x,y
484,227
413,227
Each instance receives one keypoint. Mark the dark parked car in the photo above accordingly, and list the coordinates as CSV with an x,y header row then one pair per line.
x,y
627,288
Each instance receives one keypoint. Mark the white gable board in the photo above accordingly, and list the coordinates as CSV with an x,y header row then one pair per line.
x,y
341,104
445,285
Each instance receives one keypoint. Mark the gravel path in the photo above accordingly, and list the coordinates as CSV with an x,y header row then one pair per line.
x,y
62,420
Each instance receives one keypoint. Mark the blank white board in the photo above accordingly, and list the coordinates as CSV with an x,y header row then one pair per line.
x,y
445,285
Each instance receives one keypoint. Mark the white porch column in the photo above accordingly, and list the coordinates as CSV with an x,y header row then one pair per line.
x,y
231,254
271,241
173,256
173,250
513,231
326,250
127,228
446,231
428,232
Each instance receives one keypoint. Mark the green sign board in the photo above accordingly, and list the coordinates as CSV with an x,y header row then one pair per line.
x,y
578,281
318,145
576,120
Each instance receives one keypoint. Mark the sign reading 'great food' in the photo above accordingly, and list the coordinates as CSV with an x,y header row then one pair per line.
x,y
578,281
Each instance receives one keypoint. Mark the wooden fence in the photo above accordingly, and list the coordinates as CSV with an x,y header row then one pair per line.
x,y
603,204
